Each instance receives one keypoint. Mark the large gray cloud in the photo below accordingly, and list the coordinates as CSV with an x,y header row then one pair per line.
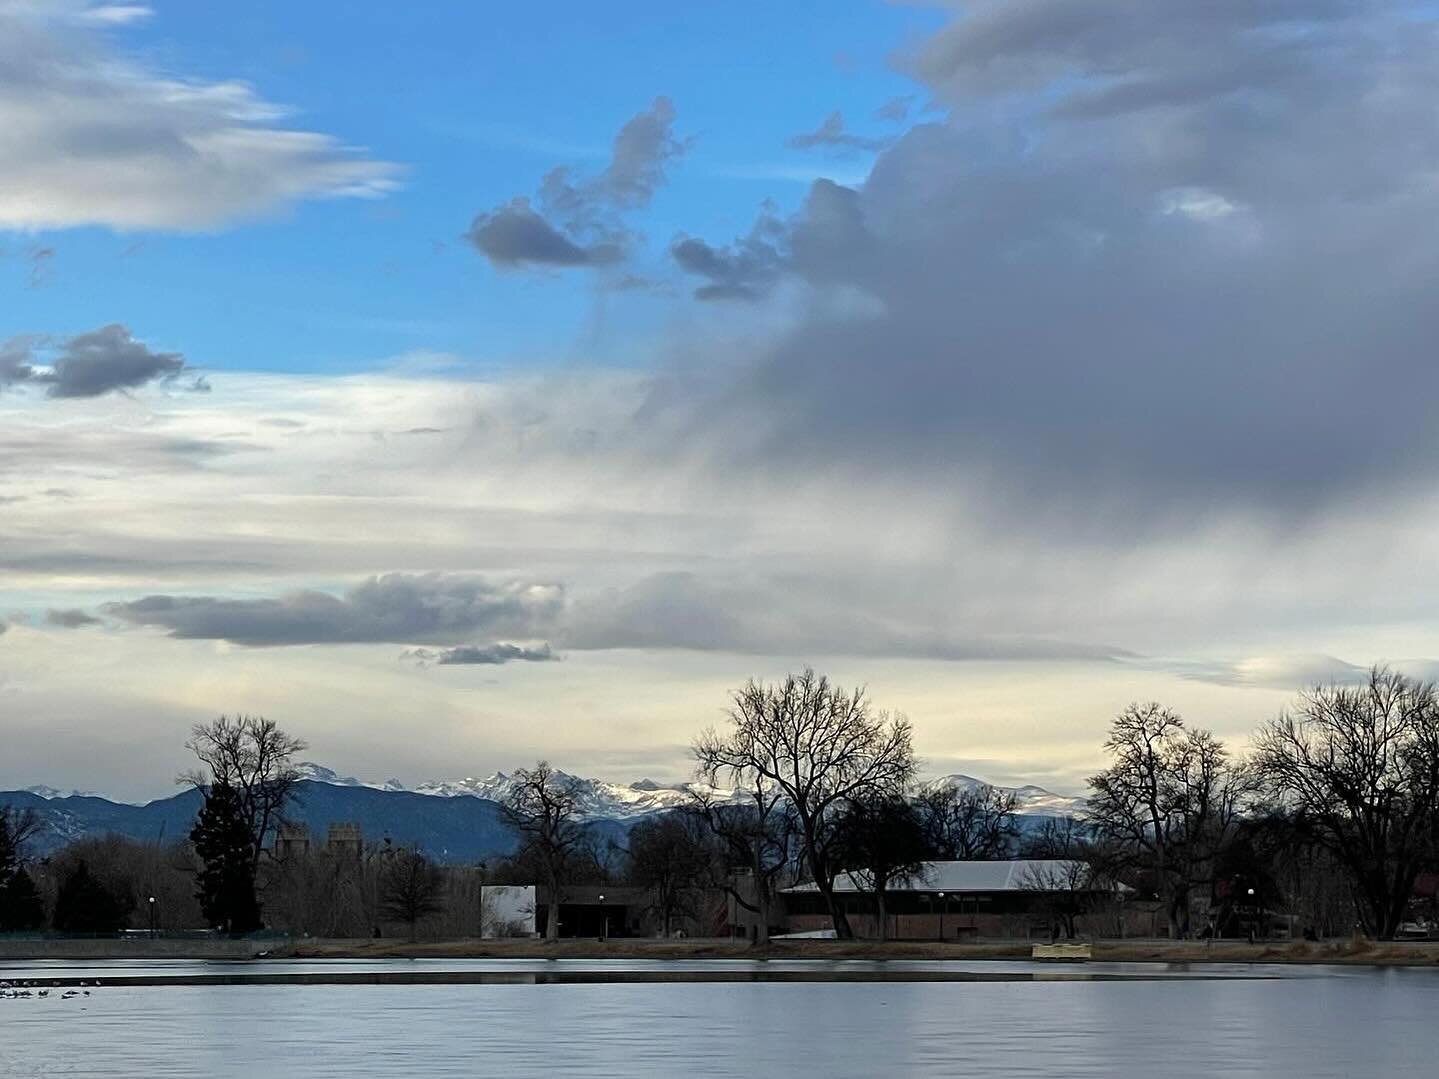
x,y
92,136
1161,257
391,608
579,220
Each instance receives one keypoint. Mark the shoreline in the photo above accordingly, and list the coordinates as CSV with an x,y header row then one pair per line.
x,y
1345,952
1159,952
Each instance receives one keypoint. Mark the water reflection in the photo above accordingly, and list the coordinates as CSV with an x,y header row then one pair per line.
x,y
1320,1023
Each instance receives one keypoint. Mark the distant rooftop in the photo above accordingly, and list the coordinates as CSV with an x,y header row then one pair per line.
x,y
958,878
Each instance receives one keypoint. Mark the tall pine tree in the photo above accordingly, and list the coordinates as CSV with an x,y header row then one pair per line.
x,y
226,884
84,904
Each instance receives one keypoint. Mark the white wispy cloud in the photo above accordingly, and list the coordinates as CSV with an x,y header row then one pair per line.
x,y
91,135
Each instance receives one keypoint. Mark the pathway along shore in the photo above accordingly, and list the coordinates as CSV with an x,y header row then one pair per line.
x,y
1356,952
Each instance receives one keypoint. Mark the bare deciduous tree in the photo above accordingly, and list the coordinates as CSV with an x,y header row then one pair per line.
x,y
541,807
881,841
818,747
255,758
1359,769
969,823
411,888
671,855
1062,889
758,837
1057,837
1167,804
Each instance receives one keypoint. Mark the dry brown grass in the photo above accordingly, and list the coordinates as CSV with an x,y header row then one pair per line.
x,y
1358,952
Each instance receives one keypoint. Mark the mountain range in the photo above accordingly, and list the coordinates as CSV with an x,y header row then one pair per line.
x,y
453,820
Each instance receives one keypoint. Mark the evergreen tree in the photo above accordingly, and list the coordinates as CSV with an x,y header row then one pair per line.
x,y
21,907
226,883
85,905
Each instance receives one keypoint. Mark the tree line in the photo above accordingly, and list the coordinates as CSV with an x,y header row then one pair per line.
x,y
1332,815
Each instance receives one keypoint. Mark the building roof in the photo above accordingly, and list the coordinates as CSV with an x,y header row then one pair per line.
x,y
960,878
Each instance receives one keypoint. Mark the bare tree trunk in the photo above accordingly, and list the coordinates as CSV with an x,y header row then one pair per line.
x,y
761,895
552,916
883,913
837,917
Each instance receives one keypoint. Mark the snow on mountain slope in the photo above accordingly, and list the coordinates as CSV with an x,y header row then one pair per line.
x,y
51,793
601,800
595,798
1034,801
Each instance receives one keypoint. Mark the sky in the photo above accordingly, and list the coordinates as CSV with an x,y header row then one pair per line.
x,y
460,385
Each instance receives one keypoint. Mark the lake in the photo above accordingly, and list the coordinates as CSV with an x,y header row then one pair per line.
x,y
561,1018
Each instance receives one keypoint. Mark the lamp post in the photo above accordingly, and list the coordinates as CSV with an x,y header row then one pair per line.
x,y
1253,917
941,915
606,913
152,917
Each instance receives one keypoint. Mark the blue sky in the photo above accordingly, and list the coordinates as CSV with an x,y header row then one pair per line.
x,y
475,103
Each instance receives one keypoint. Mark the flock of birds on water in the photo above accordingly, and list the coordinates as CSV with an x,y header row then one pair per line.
x,y
26,990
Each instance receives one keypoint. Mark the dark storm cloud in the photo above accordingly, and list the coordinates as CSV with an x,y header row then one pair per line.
x,y
578,220
394,608
1161,256
87,365
481,655
74,618
831,135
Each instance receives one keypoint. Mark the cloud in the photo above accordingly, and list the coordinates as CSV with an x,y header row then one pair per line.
x,y
16,365
74,618
786,616
481,655
742,270
896,110
390,608
1292,672
1127,273
95,136
89,364
831,135
105,360
579,220
828,242
514,235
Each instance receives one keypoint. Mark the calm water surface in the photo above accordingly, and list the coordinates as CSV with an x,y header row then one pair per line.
x,y
1236,1021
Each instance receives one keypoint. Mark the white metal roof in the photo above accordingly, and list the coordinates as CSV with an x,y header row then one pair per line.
x,y
958,878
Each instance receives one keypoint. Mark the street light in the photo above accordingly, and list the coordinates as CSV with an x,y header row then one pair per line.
x,y
941,915
152,917
606,933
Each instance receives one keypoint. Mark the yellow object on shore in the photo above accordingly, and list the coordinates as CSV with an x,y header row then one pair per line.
x,y
1070,951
